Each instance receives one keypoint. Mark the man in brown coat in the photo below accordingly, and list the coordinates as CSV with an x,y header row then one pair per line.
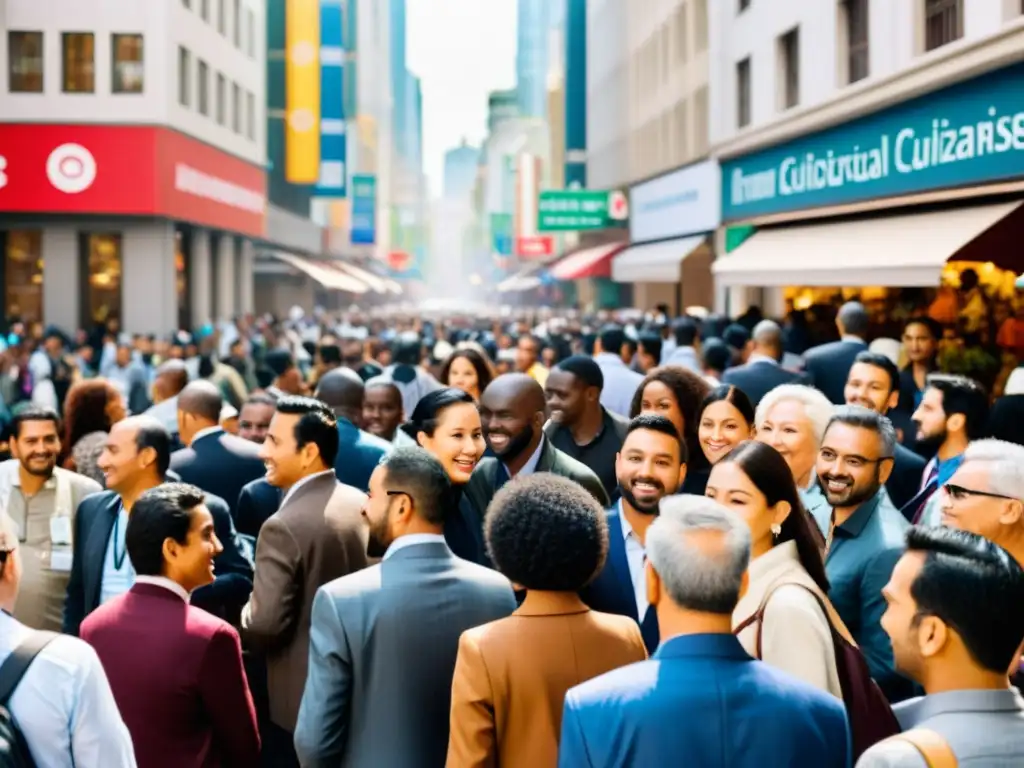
x,y
316,536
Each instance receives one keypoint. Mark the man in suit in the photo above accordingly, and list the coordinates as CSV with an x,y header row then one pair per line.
x,y
829,364
619,382
175,670
316,536
217,462
701,695
359,452
954,620
171,377
874,383
650,466
384,640
257,501
135,460
763,370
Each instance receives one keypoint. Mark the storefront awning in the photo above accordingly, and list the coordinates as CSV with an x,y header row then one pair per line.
x,y
526,280
895,251
322,272
377,283
590,262
654,262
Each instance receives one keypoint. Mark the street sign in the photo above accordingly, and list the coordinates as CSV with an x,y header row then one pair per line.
x,y
573,210
535,246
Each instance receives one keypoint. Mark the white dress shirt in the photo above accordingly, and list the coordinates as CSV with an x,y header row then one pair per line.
x,y
116,581
620,383
412,539
303,481
635,558
531,464
163,581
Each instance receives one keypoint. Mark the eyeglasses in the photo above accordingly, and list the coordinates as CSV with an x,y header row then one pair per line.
x,y
959,493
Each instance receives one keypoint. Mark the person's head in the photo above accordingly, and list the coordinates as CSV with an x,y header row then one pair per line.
x,y
968,280
302,440
407,349
651,464
697,557
986,494
410,492
767,339
171,378
856,456
951,607
648,351
546,533
136,455
921,339
446,423
737,337
873,382
754,481
717,356
343,391
53,343
527,352
93,405
287,376
328,354
610,339
123,355
199,407
254,418
467,370
686,331
512,411
382,407
852,319
10,563
170,533
792,419
953,408
675,393
35,439
573,389
725,420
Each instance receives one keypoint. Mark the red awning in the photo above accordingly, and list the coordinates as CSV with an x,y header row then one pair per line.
x,y
590,262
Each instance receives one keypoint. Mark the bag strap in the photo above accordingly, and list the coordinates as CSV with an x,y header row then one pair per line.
x,y
758,615
16,665
933,748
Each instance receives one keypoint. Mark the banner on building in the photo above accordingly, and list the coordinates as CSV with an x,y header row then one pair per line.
x,y
501,234
333,174
364,209
302,91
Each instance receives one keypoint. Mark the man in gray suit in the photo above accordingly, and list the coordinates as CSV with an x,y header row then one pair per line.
x,y
384,640
956,627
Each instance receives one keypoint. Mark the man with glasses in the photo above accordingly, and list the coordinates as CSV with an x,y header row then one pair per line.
x,y
863,533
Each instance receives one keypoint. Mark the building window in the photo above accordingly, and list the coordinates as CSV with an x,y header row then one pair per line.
x,y
250,43
943,22
236,108
204,88
250,116
743,93
700,121
187,3
222,99
25,62
184,77
789,60
857,64
222,17
204,9
101,258
681,40
700,25
23,275
182,257
237,21
128,65
744,4
79,62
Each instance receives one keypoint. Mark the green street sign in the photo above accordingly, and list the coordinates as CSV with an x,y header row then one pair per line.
x,y
573,210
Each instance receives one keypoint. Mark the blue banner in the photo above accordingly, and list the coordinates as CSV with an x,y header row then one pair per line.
x,y
364,209
576,94
333,172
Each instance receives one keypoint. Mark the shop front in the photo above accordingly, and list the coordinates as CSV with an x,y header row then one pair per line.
x,y
669,257
134,224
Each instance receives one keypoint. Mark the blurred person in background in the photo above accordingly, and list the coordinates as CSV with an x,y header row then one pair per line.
x,y
648,353
829,364
527,358
685,353
467,369
382,409
93,407
762,370
620,382
254,417
717,358
725,419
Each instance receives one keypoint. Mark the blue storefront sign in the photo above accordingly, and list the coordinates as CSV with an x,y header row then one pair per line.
x,y
971,133
364,209
333,149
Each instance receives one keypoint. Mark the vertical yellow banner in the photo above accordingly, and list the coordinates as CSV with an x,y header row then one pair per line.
x,y
302,92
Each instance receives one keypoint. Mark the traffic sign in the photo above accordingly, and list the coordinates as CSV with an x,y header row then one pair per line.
x,y
573,210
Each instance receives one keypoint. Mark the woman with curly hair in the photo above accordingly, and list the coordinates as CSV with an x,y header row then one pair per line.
x,y
677,394
468,369
91,409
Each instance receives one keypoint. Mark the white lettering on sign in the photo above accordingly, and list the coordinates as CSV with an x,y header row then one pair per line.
x,y
3,168
188,179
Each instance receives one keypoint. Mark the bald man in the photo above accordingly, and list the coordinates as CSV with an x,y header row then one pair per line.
x,y
215,461
359,452
171,378
763,370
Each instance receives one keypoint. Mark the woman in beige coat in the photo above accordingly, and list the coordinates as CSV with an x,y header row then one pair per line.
x,y
785,562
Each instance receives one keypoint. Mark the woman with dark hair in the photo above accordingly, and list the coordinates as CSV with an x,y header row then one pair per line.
x,y
726,419
91,409
777,619
467,369
677,393
446,423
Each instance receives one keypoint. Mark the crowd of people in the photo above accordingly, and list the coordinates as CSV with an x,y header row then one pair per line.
x,y
601,541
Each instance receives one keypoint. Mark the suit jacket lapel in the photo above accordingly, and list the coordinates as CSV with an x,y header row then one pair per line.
x,y
620,565
546,462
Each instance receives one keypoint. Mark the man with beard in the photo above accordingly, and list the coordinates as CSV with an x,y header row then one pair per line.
x,y
512,413
384,641
650,466
865,534
42,500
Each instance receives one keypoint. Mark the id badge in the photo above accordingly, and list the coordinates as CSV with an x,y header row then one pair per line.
x,y
60,531
60,559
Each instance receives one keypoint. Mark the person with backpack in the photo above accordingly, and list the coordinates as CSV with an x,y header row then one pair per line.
x,y
56,706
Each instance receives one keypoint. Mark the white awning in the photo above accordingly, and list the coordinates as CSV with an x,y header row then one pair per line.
x,y
897,251
654,262
322,272
377,283
524,281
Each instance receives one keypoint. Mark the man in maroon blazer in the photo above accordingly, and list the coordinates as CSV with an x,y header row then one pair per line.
x,y
175,670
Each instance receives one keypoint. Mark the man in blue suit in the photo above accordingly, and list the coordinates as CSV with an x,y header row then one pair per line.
x,y
829,364
701,699
763,370
359,452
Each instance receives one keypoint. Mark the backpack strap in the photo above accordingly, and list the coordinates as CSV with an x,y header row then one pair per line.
x,y
933,748
16,665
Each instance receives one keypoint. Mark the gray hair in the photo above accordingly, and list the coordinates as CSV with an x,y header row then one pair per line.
x,y
865,418
694,577
767,333
1004,463
817,408
854,318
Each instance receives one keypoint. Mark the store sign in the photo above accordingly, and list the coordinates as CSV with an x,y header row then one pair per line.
x,y
125,170
535,246
680,203
970,133
501,234
574,210
364,210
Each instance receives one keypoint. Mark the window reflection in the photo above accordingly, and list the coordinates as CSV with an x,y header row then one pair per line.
x,y
103,267
79,62
128,63
25,62
23,275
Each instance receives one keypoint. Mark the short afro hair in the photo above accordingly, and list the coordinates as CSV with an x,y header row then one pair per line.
x,y
546,532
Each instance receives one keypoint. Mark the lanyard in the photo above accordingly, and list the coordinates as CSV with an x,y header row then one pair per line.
x,y
119,559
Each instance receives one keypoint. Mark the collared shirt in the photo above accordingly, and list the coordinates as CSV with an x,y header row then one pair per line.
x,y
303,481
620,383
166,412
851,337
944,471
685,357
412,539
531,465
757,357
163,581
599,454
64,706
206,431
636,557
116,581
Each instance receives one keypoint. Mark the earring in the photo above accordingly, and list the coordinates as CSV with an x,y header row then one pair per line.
x,y
776,529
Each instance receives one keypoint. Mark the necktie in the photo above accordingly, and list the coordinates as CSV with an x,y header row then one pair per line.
x,y
921,500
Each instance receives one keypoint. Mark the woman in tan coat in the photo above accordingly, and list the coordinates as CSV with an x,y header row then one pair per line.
x,y
549,536
785,562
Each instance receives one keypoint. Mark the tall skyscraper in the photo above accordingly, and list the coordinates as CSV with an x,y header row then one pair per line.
x,y
532,45
460,168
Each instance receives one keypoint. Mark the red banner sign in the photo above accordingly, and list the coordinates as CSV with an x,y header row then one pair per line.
x,y
535,246
128,170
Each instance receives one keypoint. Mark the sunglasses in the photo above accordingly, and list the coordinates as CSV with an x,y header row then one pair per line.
x,y
959,493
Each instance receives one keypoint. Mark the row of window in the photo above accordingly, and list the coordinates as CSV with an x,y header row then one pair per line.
x,y
670,139
239,21
242,115
25,67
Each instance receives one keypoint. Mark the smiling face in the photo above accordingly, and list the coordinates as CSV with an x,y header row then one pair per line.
x,y
722,427
730,486
382,411
850,466
869,386
510,422
121,461
787,429
648,469
658,398
36,446
191,564
567,397
462,375
285,463
457,442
